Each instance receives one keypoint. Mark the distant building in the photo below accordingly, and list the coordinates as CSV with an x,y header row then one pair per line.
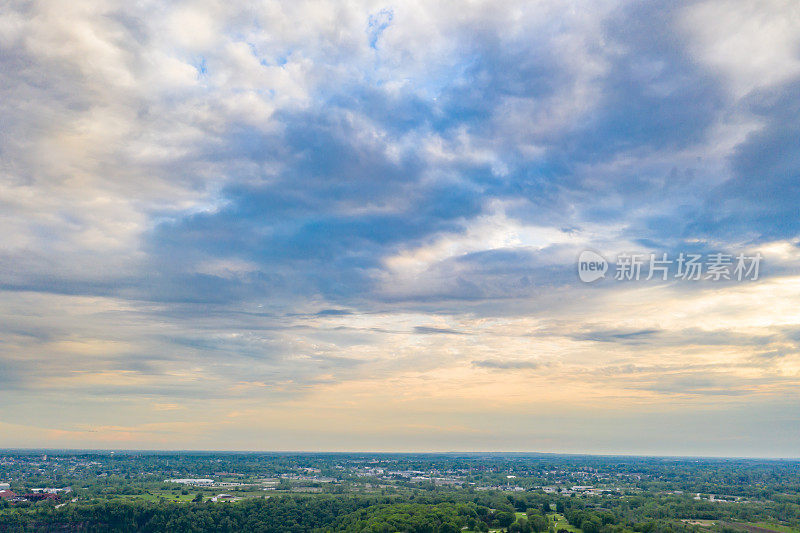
x,y
38,496
51,490
224,498
199,482
4,486
7,494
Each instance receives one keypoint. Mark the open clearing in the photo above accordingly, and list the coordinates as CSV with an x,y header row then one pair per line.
x,y
561,523
762,527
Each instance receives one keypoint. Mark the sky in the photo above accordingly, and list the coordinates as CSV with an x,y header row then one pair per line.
x,y
354,225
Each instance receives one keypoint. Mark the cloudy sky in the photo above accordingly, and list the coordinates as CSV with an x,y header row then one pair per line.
x,y
354,225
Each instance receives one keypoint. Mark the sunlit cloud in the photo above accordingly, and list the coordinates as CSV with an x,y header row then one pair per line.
x,y
356,224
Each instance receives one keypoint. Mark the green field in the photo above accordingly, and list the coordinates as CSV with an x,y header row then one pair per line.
x,y
776,527
561,523
751,527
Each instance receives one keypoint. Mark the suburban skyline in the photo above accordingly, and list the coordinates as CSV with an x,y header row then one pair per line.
x,y
355,226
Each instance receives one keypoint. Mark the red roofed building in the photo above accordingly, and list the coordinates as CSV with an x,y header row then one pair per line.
x,y
7,494
37,496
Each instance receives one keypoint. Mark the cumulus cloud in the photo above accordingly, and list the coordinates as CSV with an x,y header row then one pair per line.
x,y
283,202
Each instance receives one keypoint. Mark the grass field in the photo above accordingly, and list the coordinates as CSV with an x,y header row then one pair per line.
x,y
749,527
561,523
776,527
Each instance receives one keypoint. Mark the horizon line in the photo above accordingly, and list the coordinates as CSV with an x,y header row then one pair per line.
x,y
362,452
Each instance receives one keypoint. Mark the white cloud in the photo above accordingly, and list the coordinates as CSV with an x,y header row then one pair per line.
x,y
118,116
755,44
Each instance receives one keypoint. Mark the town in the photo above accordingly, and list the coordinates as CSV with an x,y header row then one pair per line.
x,y
536,492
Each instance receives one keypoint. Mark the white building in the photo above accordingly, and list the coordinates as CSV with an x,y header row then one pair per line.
x,y
198,482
